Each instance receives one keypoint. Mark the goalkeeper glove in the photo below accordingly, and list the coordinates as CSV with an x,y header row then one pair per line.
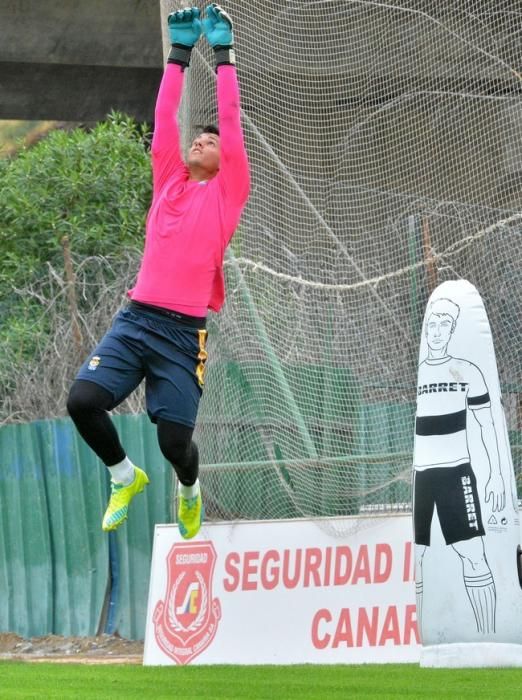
x,y
217,28
184,31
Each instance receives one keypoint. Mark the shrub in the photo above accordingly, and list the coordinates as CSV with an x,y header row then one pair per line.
x,y
92,186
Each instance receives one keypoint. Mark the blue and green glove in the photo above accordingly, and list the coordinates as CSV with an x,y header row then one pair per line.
x,y
217,28
184,31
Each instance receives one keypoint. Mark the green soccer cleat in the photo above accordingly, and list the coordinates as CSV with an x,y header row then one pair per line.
x,y
190,515
121,496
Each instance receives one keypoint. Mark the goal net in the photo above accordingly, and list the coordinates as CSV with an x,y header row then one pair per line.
x,y
385,142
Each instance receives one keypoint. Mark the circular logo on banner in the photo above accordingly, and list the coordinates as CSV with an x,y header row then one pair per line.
x,y
186,621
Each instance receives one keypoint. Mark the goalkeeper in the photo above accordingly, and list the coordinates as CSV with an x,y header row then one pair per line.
x,y
160,336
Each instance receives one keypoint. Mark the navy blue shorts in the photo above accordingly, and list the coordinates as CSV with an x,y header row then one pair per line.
x,y
168,354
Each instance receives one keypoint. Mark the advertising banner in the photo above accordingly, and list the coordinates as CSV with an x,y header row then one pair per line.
x,y
284,592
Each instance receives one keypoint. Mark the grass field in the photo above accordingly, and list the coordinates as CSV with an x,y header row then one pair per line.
x,y
46,680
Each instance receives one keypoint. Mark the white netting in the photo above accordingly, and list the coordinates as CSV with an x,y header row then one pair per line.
x,y
386,149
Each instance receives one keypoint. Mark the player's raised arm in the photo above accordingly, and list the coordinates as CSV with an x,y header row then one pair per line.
x,y
184,28
234,171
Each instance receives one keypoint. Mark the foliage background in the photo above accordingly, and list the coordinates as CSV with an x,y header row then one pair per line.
x,y
79,198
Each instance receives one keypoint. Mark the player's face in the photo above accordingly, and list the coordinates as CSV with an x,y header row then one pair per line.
x,y
438,330
205,152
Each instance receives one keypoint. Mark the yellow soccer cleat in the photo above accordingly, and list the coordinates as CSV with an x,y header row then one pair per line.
x,y
190,515
121,496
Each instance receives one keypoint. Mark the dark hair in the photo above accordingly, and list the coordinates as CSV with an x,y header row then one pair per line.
x,y
209,129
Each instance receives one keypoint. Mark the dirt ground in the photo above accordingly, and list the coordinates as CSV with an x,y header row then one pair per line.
x,y
102,649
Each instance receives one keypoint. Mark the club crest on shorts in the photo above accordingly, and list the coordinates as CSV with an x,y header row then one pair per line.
x,y
94,362
186,621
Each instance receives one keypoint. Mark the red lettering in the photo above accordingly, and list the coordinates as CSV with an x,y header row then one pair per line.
x,y
343,565
317,641
311,567
383,563
362,566
390,627
231,567
366,628
327,566
291,581
343,632
270,575
375,627
410,625
407,570
250,569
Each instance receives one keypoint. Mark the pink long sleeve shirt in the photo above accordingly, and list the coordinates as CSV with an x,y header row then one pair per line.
x,y
190,223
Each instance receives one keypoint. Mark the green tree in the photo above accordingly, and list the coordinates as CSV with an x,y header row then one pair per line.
x,y
92,187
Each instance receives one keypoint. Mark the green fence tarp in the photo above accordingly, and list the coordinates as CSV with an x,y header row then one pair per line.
x,y
55,567
26,569
76,494
56,564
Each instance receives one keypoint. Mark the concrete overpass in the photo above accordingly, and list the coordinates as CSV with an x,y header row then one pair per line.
x,y
75,60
